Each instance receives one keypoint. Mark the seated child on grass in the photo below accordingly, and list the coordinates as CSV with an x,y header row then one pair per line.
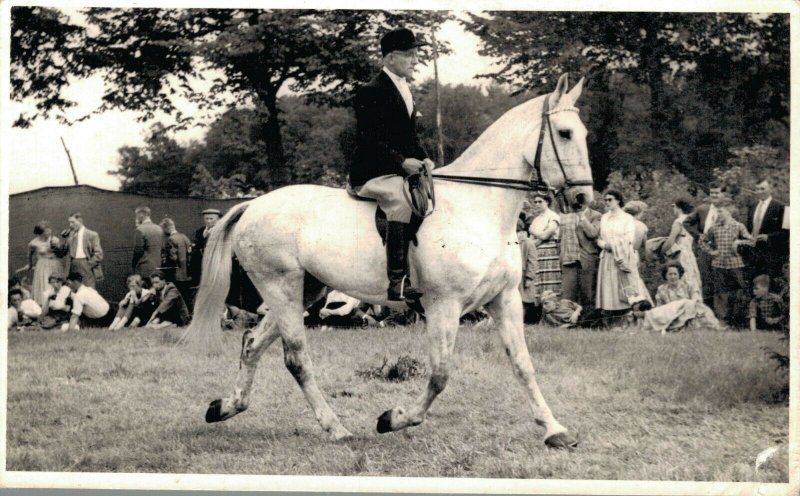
x,y
566,313
766,312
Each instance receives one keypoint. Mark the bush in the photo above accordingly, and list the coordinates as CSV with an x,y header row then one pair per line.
x,y
406,367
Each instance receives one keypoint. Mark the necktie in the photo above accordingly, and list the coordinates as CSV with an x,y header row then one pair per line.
x,y
758,217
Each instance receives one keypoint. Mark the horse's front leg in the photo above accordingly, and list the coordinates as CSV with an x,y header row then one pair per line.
x,y
506,310
253,345
441,328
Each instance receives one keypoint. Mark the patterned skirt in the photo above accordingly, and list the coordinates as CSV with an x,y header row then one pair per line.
x,y
548,268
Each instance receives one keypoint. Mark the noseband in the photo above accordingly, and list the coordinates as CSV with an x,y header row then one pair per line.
x,y
535,182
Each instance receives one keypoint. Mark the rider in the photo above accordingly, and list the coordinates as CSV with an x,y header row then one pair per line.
x,y
388,149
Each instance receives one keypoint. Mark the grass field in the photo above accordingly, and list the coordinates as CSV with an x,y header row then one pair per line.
x,y
690,406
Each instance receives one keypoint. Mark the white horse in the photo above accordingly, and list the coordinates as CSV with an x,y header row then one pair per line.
x,y
294,241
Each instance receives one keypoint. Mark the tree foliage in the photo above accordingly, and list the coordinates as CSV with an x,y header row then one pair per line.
x,y
702,83
149,58
161,168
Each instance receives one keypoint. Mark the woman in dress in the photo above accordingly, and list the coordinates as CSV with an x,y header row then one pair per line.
x,y
43,260
637,208
618,281
679,242
679,304
544,231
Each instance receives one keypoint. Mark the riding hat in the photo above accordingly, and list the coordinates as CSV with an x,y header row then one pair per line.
x,y
399,40
212,211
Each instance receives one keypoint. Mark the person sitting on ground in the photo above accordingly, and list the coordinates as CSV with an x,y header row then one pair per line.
x,y
677,315
766,310
238,318
137,306
675,286
566,313
57,302
172,309
88,307
16,283
21,311
342,310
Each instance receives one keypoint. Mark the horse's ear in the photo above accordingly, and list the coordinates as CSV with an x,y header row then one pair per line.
x,y
575,92
561,86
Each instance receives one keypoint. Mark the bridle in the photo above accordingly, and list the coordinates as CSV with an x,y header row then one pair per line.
x,y
418,197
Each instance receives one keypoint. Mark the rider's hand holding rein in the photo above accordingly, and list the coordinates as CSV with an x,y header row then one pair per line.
x,y
413,165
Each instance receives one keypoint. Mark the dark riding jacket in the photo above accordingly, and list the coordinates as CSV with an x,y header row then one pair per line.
x,y
385,134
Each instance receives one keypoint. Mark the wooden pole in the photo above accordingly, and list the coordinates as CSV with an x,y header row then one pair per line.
x,y
439,138
72,167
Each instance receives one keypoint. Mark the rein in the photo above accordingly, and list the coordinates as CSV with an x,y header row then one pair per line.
x,y
420,186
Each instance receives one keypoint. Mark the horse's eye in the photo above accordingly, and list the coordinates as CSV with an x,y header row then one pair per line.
x,y
565,133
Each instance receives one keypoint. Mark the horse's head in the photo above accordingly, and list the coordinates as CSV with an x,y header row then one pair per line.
x,y
564,161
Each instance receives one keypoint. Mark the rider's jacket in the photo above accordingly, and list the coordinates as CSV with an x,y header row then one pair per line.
x,y
385,134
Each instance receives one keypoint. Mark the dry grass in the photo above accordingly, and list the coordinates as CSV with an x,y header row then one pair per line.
x,y
679,407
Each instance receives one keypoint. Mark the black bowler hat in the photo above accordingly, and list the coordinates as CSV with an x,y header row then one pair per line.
x,y
399,40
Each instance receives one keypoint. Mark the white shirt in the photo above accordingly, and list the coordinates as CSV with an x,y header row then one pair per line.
x,y
711,218
79,253
758,215
402,87
30,308
60,301
87,301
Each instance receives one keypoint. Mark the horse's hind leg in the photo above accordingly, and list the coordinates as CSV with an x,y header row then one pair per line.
x,y
506,309
254,343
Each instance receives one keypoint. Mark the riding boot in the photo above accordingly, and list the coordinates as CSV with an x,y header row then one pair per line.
x,y
400,288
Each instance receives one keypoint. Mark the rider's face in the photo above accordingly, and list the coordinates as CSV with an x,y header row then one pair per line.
x,y
402,63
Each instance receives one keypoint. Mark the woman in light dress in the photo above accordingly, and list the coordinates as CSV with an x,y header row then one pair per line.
x,y
679,244
637,208
618,281
544,231
43,259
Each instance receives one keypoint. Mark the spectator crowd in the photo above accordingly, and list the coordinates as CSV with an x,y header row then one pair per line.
x,y
581,268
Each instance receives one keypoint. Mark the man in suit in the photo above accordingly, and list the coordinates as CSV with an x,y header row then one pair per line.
x,y
587,230
148,242
85,252
765,224
210,218
698,223
176,257
388,149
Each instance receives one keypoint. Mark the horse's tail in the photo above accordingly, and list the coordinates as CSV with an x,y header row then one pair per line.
x,y
205,330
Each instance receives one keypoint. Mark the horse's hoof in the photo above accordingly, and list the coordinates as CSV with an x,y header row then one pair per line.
x,y
562,440
214,412
385,422
341,434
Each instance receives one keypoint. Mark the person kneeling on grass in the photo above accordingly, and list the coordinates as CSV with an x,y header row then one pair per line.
x,y
88,307
566,313
57,303
677,315
766,309
172,309
137,306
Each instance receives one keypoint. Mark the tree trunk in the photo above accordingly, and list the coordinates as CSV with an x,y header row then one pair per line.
x,y
279,173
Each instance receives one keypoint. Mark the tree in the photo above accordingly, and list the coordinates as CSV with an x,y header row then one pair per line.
x,y
161,168
148,57
44,51
664,53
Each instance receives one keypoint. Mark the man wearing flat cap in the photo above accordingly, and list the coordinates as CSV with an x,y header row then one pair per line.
x,y
210,218
388,149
